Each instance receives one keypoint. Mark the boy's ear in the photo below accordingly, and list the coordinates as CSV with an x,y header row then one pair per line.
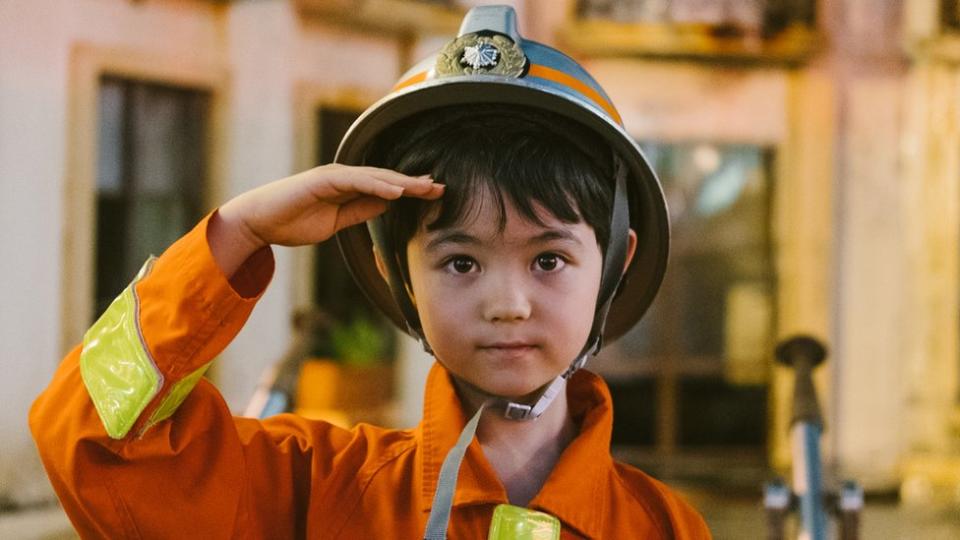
x,y
381,267
631,249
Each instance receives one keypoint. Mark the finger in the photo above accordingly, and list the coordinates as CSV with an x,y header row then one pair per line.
x,y
426,191
391,175
402,180
358,211
322,176
354,185
383,175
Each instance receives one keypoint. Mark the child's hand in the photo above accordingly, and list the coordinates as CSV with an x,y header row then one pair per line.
x,y
307,208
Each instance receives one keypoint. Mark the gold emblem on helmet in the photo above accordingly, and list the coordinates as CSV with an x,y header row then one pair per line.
x,y
474,54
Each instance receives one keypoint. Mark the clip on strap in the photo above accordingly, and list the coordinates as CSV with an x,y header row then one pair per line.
x,y
522,411
447,483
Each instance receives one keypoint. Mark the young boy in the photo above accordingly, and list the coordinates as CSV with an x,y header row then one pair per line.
x,y
506,204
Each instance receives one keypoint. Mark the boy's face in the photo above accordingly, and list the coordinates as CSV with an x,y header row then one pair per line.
x,y
506,311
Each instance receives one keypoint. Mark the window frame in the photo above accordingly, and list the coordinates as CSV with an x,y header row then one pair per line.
x,y
184,191
310,97
792,46
88,64
670,369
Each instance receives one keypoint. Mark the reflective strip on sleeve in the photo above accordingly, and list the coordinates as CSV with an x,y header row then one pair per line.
x,y
178,392
116,366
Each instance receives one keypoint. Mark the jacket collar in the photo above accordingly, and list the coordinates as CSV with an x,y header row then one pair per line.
x,y
573,491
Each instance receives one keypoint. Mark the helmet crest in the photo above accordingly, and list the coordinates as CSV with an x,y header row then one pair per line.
x,y
478,54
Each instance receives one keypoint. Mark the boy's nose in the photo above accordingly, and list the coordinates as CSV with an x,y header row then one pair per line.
x,y
506,302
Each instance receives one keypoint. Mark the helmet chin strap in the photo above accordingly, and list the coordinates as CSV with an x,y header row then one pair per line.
x,y
514,409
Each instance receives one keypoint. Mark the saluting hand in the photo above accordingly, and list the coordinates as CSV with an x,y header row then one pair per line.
x,y
307,208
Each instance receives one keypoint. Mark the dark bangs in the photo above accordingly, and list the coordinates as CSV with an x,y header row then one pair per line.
x,y
529,159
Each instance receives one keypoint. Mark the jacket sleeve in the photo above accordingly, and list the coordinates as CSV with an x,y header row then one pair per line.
x,y
137,444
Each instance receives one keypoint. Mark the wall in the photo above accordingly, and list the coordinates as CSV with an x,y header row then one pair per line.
x,y
33,45
273,53
261,51
869,72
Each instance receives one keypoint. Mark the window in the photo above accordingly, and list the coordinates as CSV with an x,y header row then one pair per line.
x,y
725,17
779,32
151,173
950,15
693,373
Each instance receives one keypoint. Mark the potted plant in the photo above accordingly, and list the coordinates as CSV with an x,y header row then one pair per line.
x,y
350,379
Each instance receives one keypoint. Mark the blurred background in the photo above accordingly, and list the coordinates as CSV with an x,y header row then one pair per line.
x,y
809,151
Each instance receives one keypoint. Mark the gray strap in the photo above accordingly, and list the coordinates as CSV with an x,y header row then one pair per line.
x,y
447,483
522,411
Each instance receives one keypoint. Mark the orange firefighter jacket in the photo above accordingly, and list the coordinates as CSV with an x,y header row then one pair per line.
x,y
184,467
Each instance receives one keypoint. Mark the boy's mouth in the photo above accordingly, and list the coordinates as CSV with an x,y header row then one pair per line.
x,y
509,348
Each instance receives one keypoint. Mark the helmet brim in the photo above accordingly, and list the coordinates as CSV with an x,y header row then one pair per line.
x,y
648,211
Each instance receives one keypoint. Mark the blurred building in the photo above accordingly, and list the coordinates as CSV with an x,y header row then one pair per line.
x,y
810,153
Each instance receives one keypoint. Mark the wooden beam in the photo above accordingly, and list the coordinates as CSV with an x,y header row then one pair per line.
x,y
393,16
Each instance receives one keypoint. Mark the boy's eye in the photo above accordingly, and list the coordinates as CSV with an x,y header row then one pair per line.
x,y
548,262
462,265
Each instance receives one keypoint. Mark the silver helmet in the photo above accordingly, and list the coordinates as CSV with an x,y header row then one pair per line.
x,y
489,62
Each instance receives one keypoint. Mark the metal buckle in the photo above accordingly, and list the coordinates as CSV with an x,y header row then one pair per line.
x,y
517,411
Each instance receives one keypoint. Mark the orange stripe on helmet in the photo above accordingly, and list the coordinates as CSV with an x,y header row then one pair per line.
x,y
560,77
419,77
542,72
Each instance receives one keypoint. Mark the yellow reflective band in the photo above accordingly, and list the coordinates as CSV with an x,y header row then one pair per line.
x,y
516,523
174,398
115,365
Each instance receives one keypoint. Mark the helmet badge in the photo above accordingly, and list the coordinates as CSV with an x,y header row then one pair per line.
x,y
481,55
477,54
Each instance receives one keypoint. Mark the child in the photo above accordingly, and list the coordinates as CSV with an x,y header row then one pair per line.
x,y
506,203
